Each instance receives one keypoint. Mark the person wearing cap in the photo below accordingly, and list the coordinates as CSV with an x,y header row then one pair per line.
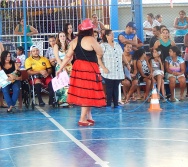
x,y
128,36
39,67
9,68
21,56
85,88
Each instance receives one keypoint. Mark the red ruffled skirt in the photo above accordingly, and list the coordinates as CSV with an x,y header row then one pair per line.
x,y
85,89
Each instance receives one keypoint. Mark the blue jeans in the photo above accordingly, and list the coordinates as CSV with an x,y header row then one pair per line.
x,y
11,100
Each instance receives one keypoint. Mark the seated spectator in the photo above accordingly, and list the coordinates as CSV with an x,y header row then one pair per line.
x,y
181,25
157,68
128,36
148,26
131,79
21,56
10,68
96,36
161,28
50,53
144,70
97,25
156,36
175,68
40,68
159,18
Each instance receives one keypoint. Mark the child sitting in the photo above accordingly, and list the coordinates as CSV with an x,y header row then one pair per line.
x,y
157,69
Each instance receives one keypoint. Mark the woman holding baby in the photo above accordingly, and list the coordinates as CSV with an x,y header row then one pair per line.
x,y
14,76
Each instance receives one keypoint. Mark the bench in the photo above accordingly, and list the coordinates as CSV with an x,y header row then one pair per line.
x,y
166,82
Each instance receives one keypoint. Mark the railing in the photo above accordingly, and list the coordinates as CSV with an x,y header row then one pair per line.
x,y
10,42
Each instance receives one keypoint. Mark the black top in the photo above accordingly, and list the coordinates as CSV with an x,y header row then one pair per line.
x,y
165,51
152,41
10,70
82,54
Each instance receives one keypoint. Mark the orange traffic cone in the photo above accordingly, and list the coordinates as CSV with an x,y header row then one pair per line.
x,y
154,103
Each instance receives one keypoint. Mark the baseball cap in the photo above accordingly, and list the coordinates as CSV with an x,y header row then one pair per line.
x,y
131,24
33,47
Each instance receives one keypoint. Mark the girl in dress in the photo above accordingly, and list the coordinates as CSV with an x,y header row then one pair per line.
x,y
157,68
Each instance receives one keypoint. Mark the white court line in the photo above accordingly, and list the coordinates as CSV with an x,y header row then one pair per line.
x,y
23,133
77,142
125,128
29,145
38,144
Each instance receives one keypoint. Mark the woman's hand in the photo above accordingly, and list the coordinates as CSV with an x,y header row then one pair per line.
x,y
106,71
11,77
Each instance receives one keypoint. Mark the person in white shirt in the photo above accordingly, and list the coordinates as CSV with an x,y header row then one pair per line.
x,y
21,56
148,26
159,18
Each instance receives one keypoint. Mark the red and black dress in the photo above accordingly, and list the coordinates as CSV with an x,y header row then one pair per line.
x,y
85,89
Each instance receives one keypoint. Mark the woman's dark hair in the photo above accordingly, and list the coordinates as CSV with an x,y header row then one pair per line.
x,y
107,32
158,50
162,26
85,32
182,11
21,48
20,19
157,16
176,50
138,53
59,43
65,29
166,30
4,55
151,15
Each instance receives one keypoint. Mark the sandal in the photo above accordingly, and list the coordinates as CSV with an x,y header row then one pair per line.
x,y
172,100
85,124
91,121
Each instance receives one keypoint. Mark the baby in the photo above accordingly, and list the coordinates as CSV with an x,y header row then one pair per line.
x,y
17,72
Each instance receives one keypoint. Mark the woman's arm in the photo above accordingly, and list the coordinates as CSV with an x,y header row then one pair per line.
x,y
186,40
156,44
96,47
16,31
135,67
33,31
56,53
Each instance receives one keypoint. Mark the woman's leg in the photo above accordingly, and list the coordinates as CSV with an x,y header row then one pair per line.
x,y
126,86
162,88
86,117
16,90
109,91
148,87
6,94
132,89
159,82
172,84
182,86
116,92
